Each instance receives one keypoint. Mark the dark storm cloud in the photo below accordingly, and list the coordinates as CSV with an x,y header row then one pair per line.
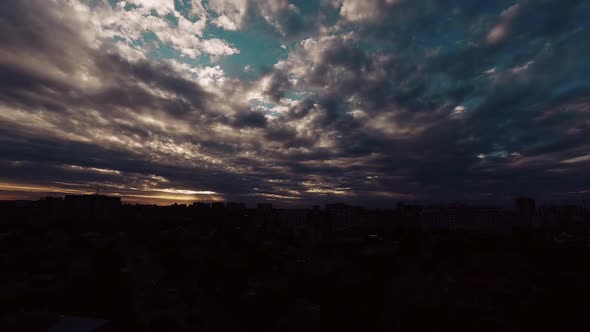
x,y
39,63
398,99
472,113
250,119
278,84
283,15
45,162
26,25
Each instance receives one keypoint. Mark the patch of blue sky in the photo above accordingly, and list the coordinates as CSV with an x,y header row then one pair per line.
x,y
292,95
113,3
164,51
271,109
307,7
264,107
259,45
130,6
171,19
149,37
184,7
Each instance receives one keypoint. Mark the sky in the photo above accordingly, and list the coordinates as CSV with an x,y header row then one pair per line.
x,y
295,102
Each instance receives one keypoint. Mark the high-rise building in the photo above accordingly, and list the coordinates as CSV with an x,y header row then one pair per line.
x,y
465,218
218,205
264,206
235,206
292,219
201,206
525,206
93,208
340,216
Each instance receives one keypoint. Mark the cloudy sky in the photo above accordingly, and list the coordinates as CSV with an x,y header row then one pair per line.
x,y
295,101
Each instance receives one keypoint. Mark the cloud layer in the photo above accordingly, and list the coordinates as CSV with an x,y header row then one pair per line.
x,y
366,101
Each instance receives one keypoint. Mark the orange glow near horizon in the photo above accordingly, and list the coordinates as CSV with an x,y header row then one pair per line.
x,y
17,191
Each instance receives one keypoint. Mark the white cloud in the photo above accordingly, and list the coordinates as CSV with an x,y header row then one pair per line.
x,y
104,22
511,12
364,10
198,9
231,13
501,30
216,46
577,159
310,53
458,111
520,69
210,78
161,6
497,34
274,10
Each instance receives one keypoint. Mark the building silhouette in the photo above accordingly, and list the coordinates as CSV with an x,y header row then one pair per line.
x,y
525,206
92,208
340,216
465,218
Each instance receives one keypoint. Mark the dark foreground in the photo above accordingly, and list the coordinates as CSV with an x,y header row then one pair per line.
x,y
218,275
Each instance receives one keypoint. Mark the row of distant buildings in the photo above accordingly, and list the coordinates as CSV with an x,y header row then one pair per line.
x,y
334,218
341,217
90,208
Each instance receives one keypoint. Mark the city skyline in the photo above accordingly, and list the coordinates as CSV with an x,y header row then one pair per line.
x,y
367,102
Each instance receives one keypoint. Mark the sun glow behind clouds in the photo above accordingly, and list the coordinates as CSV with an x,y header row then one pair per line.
x,y
128,195
32,188
188,192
